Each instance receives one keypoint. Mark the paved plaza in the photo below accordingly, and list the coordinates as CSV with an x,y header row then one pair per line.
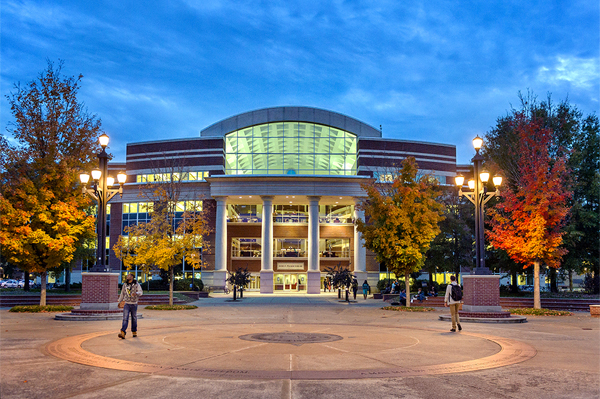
x,y
298,346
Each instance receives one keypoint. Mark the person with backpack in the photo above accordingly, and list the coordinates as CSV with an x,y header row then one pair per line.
x,y
365,288
453,299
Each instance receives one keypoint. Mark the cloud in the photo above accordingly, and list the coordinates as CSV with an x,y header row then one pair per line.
x,y
579,72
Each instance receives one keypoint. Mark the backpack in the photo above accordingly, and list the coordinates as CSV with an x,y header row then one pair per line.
x,y
456,293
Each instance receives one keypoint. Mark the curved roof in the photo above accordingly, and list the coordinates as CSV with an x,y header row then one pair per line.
x,y
287,114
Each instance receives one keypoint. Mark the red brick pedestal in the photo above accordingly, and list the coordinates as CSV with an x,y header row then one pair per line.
x,y
481,297
99,291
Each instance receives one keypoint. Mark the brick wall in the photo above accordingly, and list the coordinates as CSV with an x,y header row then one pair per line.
x,y
99,288
481,291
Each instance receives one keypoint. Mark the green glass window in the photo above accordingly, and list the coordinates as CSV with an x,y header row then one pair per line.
x,y
293,148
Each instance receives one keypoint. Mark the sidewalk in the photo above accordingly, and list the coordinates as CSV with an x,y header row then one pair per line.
x,y
366,352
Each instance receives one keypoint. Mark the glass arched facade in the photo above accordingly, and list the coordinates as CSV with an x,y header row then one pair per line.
x,y
293,148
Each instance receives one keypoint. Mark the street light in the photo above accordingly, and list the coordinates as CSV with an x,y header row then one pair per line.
x,y
479,197
102,192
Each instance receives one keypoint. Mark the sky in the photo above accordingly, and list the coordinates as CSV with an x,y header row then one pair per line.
x,y
438,71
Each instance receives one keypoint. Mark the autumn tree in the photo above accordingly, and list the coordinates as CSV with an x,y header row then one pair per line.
x,y
401,220
177,229
42,210
528,222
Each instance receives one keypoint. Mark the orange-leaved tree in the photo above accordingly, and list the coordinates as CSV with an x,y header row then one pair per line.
x,y
401,220
42,209
527,223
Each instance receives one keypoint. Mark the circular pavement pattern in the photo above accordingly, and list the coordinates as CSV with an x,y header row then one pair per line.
x,y
292,338
292,351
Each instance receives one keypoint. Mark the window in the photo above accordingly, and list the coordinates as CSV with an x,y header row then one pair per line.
x,y
244,213
289,248
336,213
245,247
136,212
334,248
291,148
165,177
290,213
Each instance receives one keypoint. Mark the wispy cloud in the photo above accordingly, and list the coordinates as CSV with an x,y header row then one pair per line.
x,y
579,72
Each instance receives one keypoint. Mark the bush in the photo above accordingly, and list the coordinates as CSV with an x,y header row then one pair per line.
x,y
408,309
383,283
184,285
171,307
592,284
40,309
539,312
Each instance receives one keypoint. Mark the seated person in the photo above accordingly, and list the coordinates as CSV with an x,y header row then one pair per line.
x,y
419,296
403,298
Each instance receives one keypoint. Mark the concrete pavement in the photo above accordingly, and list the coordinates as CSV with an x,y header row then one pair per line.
x,y
378,353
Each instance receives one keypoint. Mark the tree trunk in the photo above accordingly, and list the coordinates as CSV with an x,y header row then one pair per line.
x,y
514,287
407,287
537,303
571,280
43,290
67,279
171,286
554,281
26,281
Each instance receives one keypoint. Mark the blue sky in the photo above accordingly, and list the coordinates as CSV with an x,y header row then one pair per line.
x,y
439,71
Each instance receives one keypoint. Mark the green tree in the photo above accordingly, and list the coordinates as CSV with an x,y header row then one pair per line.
x,y
401,220
42,209
452,248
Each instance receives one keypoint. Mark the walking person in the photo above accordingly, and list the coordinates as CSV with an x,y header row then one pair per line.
x,y
354,287
365,289
453,299
128,300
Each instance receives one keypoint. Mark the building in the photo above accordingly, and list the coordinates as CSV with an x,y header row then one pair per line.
x,y
282,183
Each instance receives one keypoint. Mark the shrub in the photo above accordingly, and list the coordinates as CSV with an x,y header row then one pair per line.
x,y
539,312
40,309
408,309
381,284
170,307
592,284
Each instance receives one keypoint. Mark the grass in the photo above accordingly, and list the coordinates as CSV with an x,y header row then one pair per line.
x,y
408,309
539,312
40,309
170,307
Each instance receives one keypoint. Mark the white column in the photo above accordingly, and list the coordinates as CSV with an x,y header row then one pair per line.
x,y
360,253
266,240
220,273
314,272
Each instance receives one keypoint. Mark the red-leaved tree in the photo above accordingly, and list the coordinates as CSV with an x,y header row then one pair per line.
x,y
528,222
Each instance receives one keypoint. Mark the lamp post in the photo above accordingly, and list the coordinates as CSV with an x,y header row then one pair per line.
x,y
479,197
102,192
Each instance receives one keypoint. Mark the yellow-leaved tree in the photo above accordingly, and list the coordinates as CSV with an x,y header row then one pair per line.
x,y
401,220
177,230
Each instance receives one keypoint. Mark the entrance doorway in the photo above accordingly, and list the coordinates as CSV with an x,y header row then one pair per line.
x,y
289,282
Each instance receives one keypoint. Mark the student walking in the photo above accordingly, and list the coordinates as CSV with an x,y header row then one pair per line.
x,y
453,299
365,288
128,300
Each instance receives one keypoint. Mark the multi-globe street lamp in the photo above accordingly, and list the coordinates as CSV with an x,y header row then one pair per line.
x,y
102,192
479,197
